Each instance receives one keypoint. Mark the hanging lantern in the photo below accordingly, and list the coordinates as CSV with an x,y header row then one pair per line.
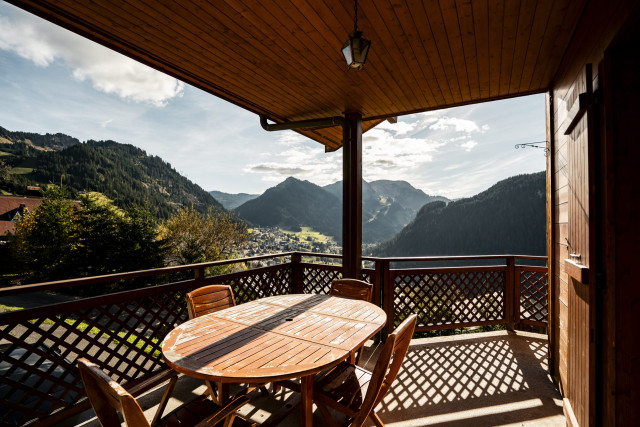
x,y
355,49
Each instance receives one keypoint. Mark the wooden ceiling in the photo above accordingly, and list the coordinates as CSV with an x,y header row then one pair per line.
x,y
282,58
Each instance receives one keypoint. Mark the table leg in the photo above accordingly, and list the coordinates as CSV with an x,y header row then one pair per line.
x,y
306,404
223,393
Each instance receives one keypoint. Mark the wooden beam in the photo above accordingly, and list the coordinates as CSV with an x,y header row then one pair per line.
x,y
352,197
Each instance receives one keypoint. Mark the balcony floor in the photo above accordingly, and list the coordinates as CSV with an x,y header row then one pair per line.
x,y
487,379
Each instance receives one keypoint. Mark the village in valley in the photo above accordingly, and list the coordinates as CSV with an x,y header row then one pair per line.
x,y
270,240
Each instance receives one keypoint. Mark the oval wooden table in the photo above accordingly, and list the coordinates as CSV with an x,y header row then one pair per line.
x,y
274,338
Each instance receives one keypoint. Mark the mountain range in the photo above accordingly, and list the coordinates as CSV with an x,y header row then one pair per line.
x,y
387,206
122,172
508,218
232,201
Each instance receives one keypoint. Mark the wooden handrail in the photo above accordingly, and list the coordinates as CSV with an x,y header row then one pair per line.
x,y
68,283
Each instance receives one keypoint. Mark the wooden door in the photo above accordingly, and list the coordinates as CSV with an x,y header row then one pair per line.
x,y
581,136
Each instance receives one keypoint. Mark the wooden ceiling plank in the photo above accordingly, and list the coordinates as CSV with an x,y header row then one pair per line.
x,y
469,45
315,27
496,29
296,27
432,7
541,24
403,75
481,30
452,28
227,72
410,15
245,54
509,35
221,77
554,27
387,88
425,35
403,24
287,60
565,24
525,26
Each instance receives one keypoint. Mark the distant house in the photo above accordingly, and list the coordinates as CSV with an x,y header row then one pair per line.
x,y
10,207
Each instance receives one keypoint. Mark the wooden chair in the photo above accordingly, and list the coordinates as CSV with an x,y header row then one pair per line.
x,y
209,299
353,289
354,391
205,300
108,398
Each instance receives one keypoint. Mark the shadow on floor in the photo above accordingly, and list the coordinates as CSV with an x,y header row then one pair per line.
x,y
489,379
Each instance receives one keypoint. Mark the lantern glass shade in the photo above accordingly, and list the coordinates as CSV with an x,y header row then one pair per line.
x,y
355,50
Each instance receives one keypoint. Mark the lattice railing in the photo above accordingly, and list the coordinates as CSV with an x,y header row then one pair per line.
x,y
533,295
259,283
122,333
317,278
449,297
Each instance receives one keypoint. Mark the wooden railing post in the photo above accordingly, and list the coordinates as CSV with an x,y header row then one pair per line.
x,y
198,276
377,282
387,297
509,293
517,272
297,276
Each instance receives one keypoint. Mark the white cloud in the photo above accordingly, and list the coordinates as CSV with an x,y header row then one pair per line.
x,y
459,125
295,155
44,43
468,146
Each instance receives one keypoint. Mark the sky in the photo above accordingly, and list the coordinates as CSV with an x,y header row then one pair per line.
x,y
52,80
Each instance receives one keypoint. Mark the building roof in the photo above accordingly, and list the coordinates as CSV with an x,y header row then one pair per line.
x,y
283,59
9,205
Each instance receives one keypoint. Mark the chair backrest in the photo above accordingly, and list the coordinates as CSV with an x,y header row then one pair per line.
x,y
352,288
209,299
107,397
387,367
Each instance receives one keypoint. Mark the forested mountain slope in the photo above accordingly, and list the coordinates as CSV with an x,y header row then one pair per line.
x,y
508,218
122,172
293,204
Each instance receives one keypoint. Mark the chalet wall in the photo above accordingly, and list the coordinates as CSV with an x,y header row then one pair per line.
x,y
577,174
620,343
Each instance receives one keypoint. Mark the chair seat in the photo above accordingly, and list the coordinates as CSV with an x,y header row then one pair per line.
x,y
345,384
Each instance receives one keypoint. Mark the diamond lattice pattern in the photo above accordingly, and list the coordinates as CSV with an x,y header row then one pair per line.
x,y
441,298
533,295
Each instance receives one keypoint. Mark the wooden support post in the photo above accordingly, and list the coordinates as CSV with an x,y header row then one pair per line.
x,y
378,283
297,278
198,276
352,197
388,294
509,293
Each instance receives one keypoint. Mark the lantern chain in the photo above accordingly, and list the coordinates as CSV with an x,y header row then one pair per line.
x,y
355,15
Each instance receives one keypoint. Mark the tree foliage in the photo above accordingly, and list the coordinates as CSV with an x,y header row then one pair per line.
x,y
62,239
191,237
